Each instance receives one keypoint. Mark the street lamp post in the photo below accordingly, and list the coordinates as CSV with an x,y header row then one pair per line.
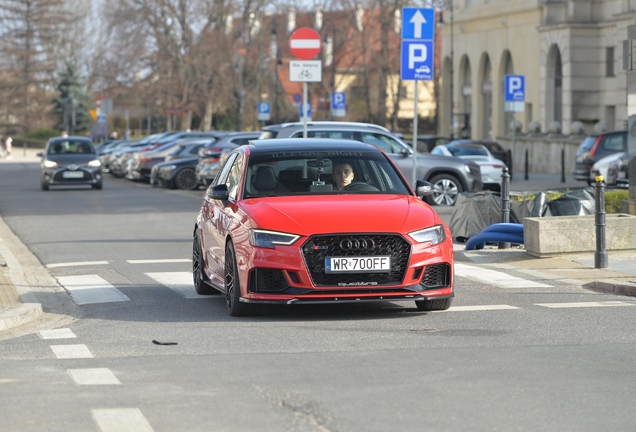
x,y
332,52
452,60
275,54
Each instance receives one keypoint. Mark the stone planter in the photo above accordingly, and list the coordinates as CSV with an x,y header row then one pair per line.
x,y
568,234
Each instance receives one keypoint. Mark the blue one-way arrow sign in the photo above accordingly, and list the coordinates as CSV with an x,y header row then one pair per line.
x,y
418,23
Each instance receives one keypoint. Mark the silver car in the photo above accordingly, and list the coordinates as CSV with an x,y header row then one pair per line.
x,y
448,175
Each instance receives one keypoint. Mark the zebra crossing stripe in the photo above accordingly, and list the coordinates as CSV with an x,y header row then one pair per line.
x,y
493,277
71,351
121,420
179,282
584,304
95,376
63,333
480,308
90,289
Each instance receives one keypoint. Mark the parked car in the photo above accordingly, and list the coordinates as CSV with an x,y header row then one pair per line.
x,y
595,147
118,159
426,143
490,167
495,149
177,174
214,150
142,162
273,229
70,161
448,175
602,167
619,170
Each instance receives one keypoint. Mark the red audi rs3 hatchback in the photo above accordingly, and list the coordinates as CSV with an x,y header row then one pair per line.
x,y
306,221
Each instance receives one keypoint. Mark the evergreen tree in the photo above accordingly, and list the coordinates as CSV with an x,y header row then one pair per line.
x,y
71,86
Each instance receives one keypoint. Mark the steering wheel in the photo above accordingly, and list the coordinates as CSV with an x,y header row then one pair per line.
x,y
360,187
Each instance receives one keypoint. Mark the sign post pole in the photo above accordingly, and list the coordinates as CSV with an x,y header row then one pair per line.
x,y
514,139
304,110
414,176
417,58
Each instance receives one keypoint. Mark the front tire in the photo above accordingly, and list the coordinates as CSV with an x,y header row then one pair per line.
x,y
44,186
233,287
434,305
446,189
201,285
185,179
98,186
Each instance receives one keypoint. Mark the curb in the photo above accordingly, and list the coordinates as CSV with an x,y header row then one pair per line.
x,y
23,314
624,289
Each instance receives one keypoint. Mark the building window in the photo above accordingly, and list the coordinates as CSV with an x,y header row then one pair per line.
x,y
402,92
609,61
359,92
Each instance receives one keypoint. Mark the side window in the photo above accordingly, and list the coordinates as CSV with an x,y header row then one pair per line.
x,y
383,142
334,134
234,177
298,134
222,175
614,143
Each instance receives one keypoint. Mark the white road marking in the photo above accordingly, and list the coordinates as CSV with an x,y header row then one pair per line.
x,y
121,420
159,261
63,333
89,289
179,282
96,376
79,263
71,351
584,304
493,277
480,308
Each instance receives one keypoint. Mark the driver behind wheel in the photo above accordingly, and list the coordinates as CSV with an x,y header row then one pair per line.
x,y
342,175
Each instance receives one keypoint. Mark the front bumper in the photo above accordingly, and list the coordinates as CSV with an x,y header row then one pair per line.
x,y
64,176
288,275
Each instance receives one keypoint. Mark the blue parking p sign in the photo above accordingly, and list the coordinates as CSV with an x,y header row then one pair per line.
x,y
338,104
418,36
515,88
263,111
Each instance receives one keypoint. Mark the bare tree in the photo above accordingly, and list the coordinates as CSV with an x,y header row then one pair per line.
x,y
30,33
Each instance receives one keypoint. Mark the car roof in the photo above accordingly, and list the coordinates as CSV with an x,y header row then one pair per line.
x,y
72,137
314,124
308,145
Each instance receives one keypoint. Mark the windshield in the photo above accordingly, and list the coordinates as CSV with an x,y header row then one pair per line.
x,y
71,147
467,151
587,144
320,172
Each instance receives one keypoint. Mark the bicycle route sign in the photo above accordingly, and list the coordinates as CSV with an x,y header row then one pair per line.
x,y
305,71
305,43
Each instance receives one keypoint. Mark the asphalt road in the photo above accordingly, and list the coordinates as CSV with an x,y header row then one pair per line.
x,y
501,359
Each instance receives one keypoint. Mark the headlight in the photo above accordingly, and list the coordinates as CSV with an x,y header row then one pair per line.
x,y
168,168
94,163
434,235
50,164
267,239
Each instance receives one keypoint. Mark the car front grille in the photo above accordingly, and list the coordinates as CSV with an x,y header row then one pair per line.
x,y
317,248
436,276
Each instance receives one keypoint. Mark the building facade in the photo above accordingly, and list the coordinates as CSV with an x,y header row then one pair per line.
x,y
570,52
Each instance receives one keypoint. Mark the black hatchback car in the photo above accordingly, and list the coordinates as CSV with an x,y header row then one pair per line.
x,y
596,147
70,161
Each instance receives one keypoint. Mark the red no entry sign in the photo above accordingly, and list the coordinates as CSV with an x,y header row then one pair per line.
x,y
305,43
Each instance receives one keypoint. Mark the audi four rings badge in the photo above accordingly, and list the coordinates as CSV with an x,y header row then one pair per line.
x,y
357,244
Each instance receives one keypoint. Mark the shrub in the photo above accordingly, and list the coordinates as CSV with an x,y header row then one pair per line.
x,y
42,134
613,200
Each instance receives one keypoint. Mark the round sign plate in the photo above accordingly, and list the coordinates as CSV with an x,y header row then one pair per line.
x,y
305,43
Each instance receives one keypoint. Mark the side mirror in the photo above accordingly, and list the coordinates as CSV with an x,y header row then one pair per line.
x,y
405,152
218,192
39,154
423,188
